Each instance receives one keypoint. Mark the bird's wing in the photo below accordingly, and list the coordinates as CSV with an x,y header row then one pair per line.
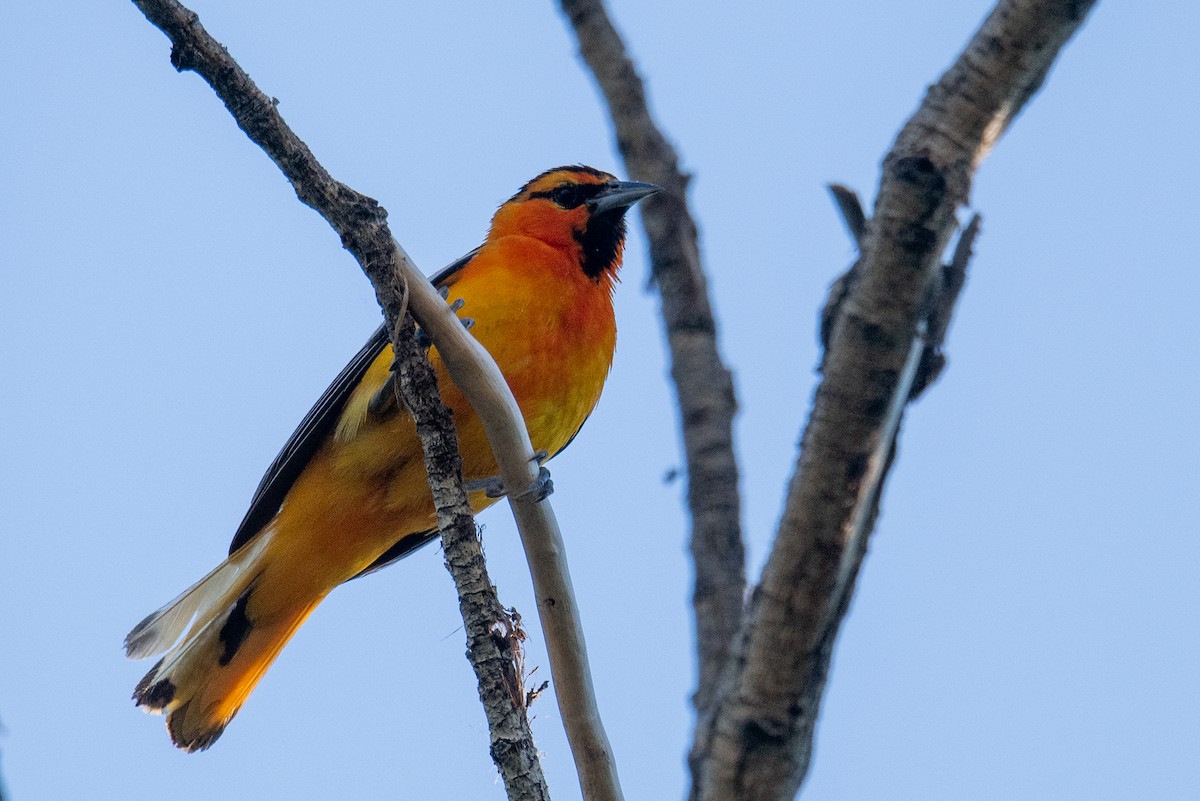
x,y
315,427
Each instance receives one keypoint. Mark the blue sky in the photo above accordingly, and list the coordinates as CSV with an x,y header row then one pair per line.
x,y
1027,620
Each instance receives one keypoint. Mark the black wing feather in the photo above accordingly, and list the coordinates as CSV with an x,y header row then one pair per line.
x,y
399,550
314,428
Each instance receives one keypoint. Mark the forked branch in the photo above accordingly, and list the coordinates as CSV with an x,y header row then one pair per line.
x,y
757,742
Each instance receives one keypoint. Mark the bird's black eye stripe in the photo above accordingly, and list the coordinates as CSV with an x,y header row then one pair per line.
x,y
570,196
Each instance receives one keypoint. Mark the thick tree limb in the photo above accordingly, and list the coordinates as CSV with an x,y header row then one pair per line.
x,y
758,741
942,296
361,224
704,387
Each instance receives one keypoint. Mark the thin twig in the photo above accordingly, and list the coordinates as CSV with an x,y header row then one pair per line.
x,y
849,206
852,212
951,280
757,744
704,387
360,222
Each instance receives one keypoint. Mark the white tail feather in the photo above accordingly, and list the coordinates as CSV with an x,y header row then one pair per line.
x,y
177,668
198,605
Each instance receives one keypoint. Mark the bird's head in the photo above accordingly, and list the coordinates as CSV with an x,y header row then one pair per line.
x,y
577,209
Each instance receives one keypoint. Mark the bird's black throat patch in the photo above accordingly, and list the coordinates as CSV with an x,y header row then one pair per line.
x,y
601,242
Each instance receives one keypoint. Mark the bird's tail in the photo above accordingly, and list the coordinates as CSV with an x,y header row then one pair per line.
x,y
206,674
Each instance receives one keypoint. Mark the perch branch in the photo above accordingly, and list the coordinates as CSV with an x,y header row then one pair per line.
x,y
361,224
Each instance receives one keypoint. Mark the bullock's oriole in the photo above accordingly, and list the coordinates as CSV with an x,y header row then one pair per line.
x,y
348,495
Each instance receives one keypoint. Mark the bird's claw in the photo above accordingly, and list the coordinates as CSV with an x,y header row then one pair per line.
x,y
423,340
493,487
541,489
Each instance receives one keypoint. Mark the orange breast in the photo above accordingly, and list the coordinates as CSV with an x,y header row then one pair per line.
x,y
551,331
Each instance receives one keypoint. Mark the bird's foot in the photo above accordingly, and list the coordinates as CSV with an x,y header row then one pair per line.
x,y
493,486
542,488
423,339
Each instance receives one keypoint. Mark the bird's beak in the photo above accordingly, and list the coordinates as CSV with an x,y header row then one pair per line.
x,y
620,195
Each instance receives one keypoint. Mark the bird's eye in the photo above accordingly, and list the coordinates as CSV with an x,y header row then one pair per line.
x,y
568,196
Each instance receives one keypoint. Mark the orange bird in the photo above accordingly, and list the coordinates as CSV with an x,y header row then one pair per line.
x,y
348,495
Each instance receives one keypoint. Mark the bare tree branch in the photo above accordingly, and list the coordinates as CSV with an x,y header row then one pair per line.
x,y
758,742
565,644
943,292
361,224
704,387
489,647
